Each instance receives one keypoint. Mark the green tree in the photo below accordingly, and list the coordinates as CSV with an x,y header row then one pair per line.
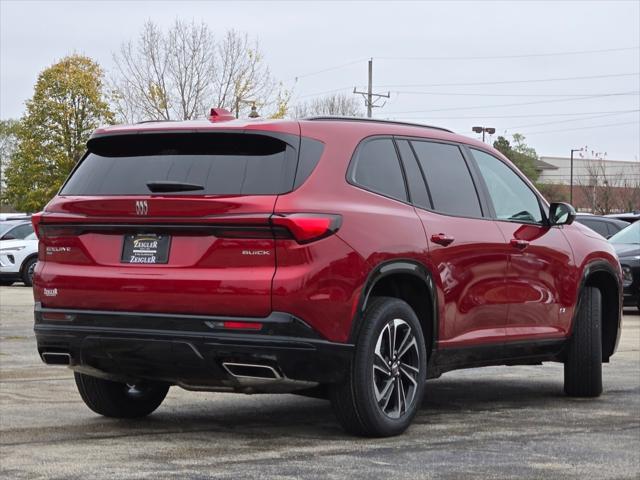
x,y
522,155
68,103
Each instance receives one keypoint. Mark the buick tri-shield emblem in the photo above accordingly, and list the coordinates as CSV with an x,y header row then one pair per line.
x,y
141,207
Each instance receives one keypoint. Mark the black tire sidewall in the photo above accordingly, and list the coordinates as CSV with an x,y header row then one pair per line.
x,y
381,311
25,271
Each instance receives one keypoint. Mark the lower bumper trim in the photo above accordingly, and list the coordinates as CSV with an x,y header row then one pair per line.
x,y
102,346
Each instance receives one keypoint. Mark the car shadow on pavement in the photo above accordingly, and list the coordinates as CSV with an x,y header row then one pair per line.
x,y
284,416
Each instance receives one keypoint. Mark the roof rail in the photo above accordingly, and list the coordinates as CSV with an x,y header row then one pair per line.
x,y
374,120
154,121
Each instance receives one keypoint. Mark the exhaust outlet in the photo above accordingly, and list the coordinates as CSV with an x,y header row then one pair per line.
x,y
56,358
247,370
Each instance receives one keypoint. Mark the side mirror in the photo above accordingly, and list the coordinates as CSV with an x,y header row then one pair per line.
x,y
561,214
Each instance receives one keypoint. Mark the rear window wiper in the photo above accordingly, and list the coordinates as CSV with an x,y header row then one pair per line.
x,y
168,186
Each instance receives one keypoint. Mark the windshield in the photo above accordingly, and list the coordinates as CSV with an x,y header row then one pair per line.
x,y
5,227
630,234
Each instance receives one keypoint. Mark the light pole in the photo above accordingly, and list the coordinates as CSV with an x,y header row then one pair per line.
x,y
489,130
254,112
571,175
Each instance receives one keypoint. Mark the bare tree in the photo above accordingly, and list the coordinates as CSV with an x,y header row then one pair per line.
x,y
630,198
600,188
242,78
181,73
335,104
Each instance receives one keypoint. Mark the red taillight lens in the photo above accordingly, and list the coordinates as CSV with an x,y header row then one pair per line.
x,y
308,227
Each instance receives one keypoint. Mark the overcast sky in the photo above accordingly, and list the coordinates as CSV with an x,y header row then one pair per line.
x,y
432,56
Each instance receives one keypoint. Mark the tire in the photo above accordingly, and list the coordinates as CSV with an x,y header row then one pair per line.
x,y
119,400
583,363
368,402
26,273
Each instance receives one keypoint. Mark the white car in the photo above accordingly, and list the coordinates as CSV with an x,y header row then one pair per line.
x,y
18,260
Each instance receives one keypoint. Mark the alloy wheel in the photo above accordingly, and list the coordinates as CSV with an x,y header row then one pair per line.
x,y
396,366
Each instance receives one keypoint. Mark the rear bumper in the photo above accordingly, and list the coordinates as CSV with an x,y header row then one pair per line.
x,y
189,350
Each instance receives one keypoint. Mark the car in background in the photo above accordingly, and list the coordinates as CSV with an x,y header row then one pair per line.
x,y
602,225
18,260
627,245
14,216
627,217
16,229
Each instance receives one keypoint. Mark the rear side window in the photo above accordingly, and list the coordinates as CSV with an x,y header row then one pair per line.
x,y
448,179
377,168
221,163
415,180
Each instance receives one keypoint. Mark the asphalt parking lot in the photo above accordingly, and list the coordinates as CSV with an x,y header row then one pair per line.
x,y
502,422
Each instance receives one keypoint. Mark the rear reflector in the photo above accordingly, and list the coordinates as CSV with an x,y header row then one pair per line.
x,y
232,325
308,227
242,325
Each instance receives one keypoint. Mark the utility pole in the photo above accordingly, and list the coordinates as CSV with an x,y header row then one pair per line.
x,y
368,95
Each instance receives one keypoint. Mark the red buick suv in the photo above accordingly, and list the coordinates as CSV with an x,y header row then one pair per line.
x,y
350,258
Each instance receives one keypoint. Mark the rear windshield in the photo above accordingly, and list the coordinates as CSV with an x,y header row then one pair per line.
x,y
220,163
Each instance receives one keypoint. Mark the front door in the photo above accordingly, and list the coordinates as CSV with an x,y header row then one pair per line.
x,y
540,258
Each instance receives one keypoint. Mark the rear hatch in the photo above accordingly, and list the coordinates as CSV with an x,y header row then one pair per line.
x,y
167,223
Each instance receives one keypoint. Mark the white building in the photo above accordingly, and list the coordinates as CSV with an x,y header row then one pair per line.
x,y
557,170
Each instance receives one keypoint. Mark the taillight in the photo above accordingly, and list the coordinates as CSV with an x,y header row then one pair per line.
x,y
308,227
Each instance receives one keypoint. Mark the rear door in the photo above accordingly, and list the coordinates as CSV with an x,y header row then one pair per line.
x,y
465,247
167,223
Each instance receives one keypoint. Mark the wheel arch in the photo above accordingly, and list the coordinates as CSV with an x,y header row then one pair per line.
x,y
602,275
407,280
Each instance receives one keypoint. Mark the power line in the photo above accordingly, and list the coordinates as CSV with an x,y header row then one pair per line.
x,y
527,55
587,97
463,84
329,69
610,114
520,115
606,125
485,94
318,94
504,82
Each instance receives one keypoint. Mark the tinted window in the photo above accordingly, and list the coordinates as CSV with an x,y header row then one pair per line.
x,y
512,198
377,168
596,226
20,231
415,180
223,164
5,227
448,179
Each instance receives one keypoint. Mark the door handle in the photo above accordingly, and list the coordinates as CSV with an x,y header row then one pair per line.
x,y
519,244
442,239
